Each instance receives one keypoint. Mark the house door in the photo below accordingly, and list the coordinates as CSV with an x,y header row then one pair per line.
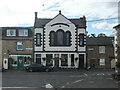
x,y
81,61
113,63
20,64
38,60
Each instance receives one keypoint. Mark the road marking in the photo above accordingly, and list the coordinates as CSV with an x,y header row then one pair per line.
x,y
109,78
109,74
67,84
100,74
85,74
78,81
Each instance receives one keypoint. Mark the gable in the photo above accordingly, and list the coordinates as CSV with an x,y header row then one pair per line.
x,y
59,19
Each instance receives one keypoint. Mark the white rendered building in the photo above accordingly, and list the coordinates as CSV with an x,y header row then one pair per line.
x,y
60,42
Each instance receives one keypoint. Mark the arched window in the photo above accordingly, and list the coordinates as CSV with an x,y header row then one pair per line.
x,y
52,38
60,37
67,38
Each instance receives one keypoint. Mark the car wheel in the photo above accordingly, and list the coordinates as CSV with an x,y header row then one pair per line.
x,y
30,70
47,70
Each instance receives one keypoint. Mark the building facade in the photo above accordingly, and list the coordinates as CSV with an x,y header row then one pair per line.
x,y
100,52
60,42
117,47
0,47
17,47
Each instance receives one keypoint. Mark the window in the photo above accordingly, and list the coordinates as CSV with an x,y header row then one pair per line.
x,y
23,32
102,62
60,38
38,39
81,40
49,60
67,37
11,32
90,49
64,59
101,49
52,38
19,46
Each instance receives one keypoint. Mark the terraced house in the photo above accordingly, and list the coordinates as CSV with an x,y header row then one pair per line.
x,y
17,47
100,52
60,42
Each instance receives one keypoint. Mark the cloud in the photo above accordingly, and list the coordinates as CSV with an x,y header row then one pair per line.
x,y
104,25
17,12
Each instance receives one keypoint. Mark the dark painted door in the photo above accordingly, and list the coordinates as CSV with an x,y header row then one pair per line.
x,y
81,61
38,60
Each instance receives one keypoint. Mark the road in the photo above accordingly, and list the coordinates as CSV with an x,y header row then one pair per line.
x,y
64,79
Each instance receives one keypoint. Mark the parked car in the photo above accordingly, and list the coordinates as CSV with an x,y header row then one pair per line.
x,y
38,67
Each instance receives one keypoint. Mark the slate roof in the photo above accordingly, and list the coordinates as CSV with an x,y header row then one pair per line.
x,y
99,41
116,26
41,22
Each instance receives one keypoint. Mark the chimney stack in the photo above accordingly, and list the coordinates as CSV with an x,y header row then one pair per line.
x,y
35,15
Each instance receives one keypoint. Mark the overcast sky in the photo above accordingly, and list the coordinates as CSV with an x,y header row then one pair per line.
x,y
21,12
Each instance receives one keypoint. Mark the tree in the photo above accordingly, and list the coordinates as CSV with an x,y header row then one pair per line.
x,y
102,35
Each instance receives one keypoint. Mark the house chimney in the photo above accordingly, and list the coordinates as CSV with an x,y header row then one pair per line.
x,y
59,11
84,17
35,15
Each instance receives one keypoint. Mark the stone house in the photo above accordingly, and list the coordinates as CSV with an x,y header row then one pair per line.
x,y
17,47
100,52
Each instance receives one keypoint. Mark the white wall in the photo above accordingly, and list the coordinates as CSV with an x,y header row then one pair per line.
x,y
38,30
84,32
59,19
48,28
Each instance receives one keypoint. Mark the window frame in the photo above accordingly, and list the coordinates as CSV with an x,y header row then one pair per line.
x,y
23,32
40,36
81,39
103,63
101,49
8,32
54,40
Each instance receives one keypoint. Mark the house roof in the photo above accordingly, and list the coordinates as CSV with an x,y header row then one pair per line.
x,y
99,40
41,22
116,26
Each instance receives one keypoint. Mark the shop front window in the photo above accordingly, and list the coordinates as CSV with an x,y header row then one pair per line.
x,y
49,60
27,60
64,60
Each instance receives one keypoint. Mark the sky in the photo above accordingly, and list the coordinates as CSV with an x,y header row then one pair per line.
x,y
20,13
